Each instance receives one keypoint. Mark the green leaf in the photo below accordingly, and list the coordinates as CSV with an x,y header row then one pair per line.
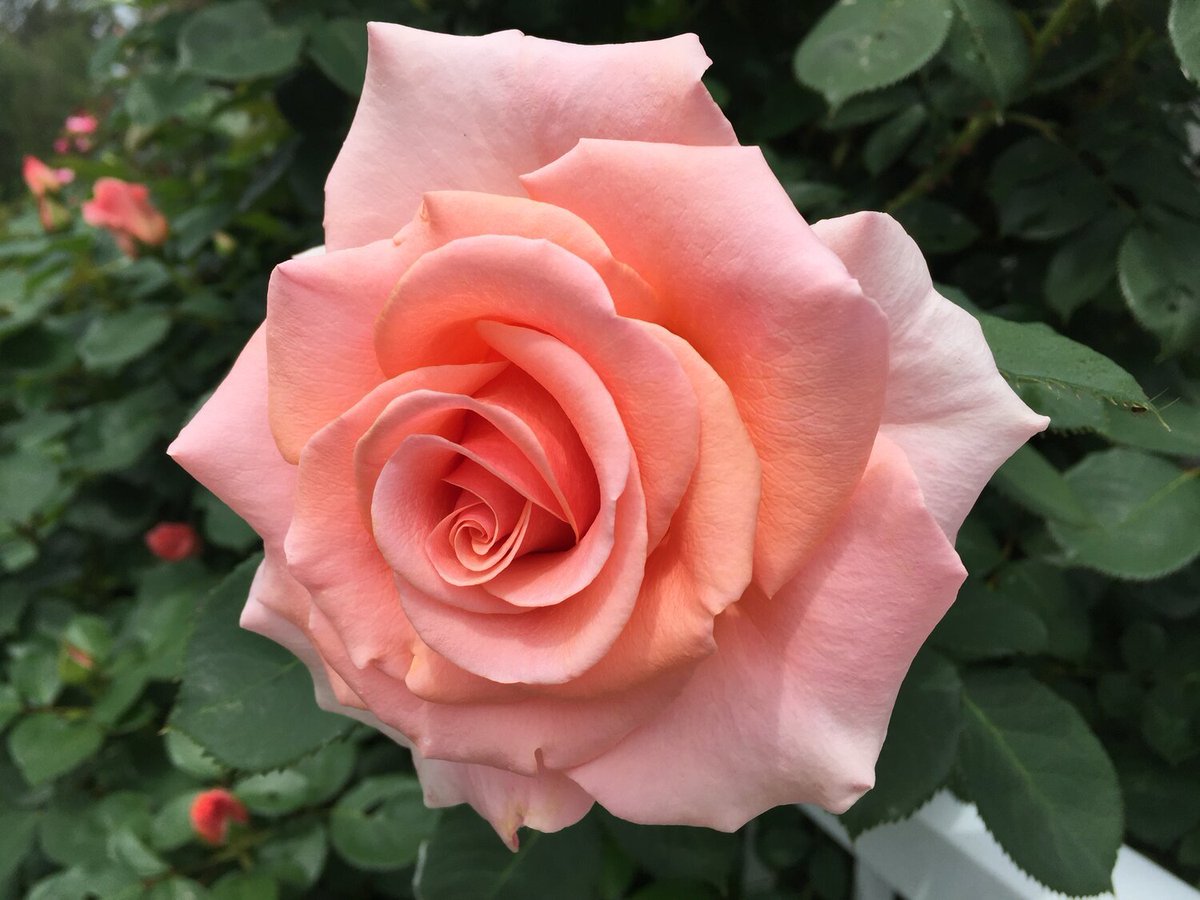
x,y
245,699
862,45
1084,264
1033,353
1175,431
1146,515
1044,590
222,526
1161,282
236,42
17,830
889,140
985,625
244,886
465,860
154,97
937,227
1028,478
34,672
295,855
44,745
1161,804
114,340
1042,191
28,481
920,748
339,48
677,851
987,47
379,825
272,793
1043,784
171,827
1183,25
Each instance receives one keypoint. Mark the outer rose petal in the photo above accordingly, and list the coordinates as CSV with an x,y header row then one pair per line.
x,y
548,801
949,409
320,328
743,280
228,447
794,704
440,111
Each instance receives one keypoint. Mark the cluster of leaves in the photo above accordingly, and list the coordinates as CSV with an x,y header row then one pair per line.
x,y
1043,154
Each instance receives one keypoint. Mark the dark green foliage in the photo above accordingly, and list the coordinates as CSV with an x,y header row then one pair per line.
x,y
1043,155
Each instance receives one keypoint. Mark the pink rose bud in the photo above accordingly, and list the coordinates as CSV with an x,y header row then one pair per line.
x,y
61,145
173,541
126,211
40,177
83,144
603,476
213,811
64,175
82,123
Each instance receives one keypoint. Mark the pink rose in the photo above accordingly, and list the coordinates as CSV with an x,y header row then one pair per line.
x,y
41,179
126,211
584,466
81,123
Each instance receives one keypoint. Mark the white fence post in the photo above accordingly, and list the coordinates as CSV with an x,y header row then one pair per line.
x,y
944,851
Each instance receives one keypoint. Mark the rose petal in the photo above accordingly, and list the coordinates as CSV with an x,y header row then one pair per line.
x,y
539,285
441,111
353,585
547,801
543,645
774,312
321,313
228,447
794,705
525,735
949,409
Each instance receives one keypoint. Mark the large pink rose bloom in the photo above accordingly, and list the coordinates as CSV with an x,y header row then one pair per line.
x,y
584,465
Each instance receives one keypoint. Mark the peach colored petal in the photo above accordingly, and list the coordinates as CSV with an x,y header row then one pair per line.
x,y
321,313
539,285
547,801
329,546
445,216
542,645
746,283
794,705
125,209
227,447
566,385
704,563
525,735
440,111
949,409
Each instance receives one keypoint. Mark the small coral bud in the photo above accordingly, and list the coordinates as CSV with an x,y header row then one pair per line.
x,y
173,541
213,810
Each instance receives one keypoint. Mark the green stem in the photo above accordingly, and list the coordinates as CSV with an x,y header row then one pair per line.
x,y
976,126
1054,27
985,119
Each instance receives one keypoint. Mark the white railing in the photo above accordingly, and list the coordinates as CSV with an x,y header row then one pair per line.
x,y
944,851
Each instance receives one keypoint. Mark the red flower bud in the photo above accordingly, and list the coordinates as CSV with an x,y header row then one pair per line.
x,y
172,541
213,810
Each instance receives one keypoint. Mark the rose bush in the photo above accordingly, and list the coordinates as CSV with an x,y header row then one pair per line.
x,y
583,465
